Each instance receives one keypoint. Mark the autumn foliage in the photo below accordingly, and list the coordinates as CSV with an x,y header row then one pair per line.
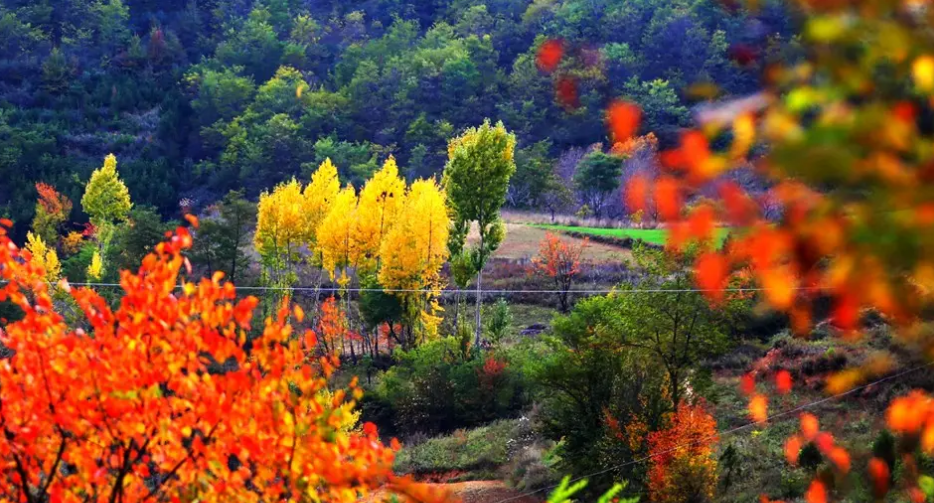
x,y
849,162
683,467
560,260
157,399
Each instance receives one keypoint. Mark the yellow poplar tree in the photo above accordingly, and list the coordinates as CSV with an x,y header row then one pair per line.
x,y
414,251
106,200
43,256
96,267
336,235
280,228
381,199
319,196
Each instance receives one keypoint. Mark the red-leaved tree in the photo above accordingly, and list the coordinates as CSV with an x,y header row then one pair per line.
x,y
156,399
683,467
560,260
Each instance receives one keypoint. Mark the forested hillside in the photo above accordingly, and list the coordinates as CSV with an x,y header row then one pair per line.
x,y
199,97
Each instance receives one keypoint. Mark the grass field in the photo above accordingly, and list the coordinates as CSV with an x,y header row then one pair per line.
x,y
653,236
524,241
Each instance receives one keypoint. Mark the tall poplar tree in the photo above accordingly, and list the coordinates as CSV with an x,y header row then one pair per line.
x,y
107,201
476,178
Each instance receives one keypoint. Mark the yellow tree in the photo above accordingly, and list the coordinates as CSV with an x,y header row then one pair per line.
x,y
280,229
319,196
96,267
414,251
44,256
380,203
106,200
336,243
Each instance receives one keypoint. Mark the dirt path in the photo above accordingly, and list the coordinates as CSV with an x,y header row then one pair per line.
x,y
488,491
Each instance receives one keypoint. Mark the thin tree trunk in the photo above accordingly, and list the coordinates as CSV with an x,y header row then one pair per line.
x,y
479,303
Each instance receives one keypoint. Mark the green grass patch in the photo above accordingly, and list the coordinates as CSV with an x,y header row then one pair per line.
x,y
479,450
653,236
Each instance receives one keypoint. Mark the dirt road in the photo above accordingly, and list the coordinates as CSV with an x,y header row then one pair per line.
x,y
491,491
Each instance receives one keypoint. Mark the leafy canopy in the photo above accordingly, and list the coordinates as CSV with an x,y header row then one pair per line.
x,y
158,399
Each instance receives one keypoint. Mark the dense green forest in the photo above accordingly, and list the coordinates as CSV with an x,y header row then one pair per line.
x,y
199,97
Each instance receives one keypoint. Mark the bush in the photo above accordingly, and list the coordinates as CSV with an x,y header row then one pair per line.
x,y
481,449
500,319
439,387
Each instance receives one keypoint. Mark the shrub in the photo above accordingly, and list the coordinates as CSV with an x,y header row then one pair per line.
x,y
438,387
479,449
499,321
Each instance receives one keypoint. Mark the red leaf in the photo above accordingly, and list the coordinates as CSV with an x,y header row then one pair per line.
x,y
549,55
566,92
817,493
695,147
637,191
668,198
623,119
747,384
905,111
880,475
792,450
783,382
739,207
701,223
742,54
824,442
846,311
711,271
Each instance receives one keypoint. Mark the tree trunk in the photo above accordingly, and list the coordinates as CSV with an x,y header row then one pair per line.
x,y
479,305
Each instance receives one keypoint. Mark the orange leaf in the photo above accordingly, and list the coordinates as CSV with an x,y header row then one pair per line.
x,y
695,148
783,381
927,438
906,413
549,55
779,286
793,449
711,271
759,408
701,222
637,191
623,119
668,198
192,220
816,493
810,426
299,313
840,458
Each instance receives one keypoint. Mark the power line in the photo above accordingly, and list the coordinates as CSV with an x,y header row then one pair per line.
x,y
728,432
467,290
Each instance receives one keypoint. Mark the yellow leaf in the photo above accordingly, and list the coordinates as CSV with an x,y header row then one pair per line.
x,y
922,71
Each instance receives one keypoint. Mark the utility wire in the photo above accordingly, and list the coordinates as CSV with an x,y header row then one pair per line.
x,y
468,290
729,431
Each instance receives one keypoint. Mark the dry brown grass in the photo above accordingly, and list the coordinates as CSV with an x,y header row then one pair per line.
x,y
522,243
